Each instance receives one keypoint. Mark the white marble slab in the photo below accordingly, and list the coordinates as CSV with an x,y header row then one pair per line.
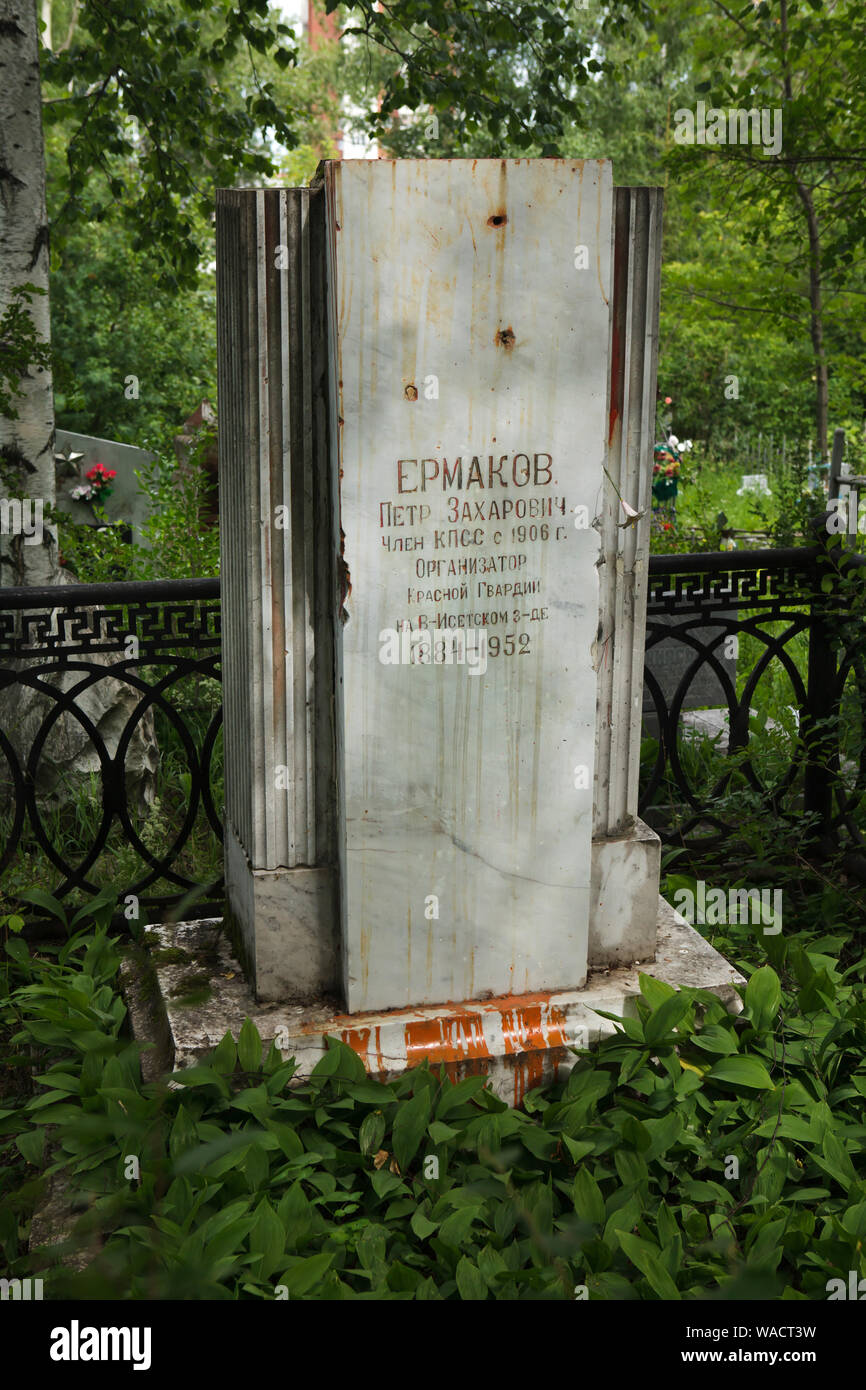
x,y
469,326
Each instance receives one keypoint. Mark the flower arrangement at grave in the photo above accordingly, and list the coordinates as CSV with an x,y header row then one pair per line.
x,y
667,462
97,487
666,470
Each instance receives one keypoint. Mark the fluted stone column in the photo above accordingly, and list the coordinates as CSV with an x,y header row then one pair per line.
x,y
626,852
279,547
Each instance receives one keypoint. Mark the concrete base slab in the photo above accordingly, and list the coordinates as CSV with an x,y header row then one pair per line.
x,y
521,1041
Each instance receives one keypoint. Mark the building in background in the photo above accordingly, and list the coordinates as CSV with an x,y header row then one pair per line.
x,y
310,21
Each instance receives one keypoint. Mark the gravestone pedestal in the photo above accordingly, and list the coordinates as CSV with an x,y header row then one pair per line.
x,y
519,1042
437,390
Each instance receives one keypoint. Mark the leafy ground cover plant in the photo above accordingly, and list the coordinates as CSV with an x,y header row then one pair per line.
x,y
694,1154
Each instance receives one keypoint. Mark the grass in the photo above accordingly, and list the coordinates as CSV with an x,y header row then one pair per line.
x,y
709,486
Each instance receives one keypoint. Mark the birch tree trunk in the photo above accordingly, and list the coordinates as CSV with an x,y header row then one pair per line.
x,y
26,443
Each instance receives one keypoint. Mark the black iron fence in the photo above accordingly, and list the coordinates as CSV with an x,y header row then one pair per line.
x,y
776,724
110,742
111,770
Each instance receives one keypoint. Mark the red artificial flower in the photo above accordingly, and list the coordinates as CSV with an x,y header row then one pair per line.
x,y
99,475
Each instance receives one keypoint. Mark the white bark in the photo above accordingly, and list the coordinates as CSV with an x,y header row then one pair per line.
x,y
26,443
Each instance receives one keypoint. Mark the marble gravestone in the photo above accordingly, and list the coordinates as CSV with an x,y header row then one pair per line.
x,y
473,406
127,503
670,660
437,393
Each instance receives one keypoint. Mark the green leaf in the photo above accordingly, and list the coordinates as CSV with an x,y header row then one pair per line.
x,y
61,1081
201,1076
491,1264
224,1057
763,997
786,1127
257,1167
630,1167
105,898
300,1278
440,1133
222,1219
663,1133
647,1260
456,1227
287,1138
370,1092
742,1071
540,1142
183,1135
471,1283
31,1146
588,1201
372,1132
249,1046
459,1094
766,1248
836,1161
410,1127
715,1038
268,1238
422,1225
40,898
341,1062
384,1184
854,1220
666,1017
621,1218
218,1155
656,992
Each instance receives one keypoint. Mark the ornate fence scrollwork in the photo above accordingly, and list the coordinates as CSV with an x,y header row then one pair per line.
x,y
111,719
773,602
110,762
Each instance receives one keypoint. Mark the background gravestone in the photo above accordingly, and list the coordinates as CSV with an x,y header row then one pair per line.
x,y
669,659
127,501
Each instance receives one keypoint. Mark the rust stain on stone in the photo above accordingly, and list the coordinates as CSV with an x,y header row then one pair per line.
x,y
345,579
505,338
